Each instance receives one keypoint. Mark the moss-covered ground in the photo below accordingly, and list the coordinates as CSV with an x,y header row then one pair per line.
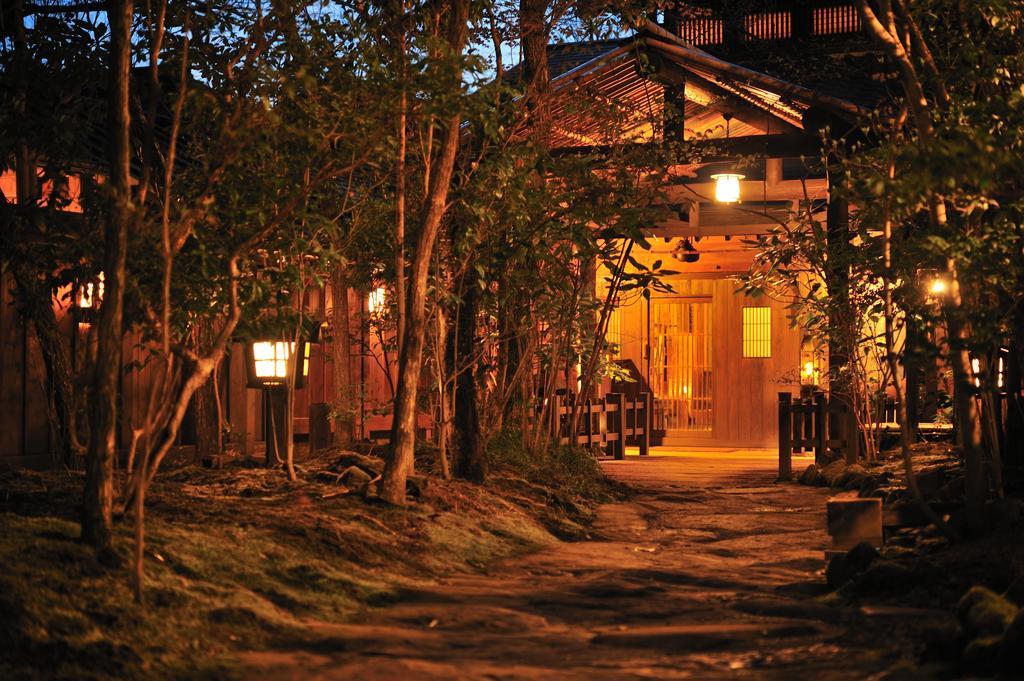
x,y
238,558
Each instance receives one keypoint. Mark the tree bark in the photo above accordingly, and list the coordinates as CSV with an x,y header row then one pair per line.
x,y
97,506
341,350
403,429
204,408
968,424
470,461
1014,454
37,307
837,280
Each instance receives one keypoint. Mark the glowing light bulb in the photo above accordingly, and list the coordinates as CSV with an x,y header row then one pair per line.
x,y
937,287
727,187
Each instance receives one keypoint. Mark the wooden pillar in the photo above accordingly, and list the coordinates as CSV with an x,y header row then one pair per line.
x,y
243,403
276,426
785,437
820,427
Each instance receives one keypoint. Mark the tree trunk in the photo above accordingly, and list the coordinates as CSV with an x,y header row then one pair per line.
x,y
470,460
837,280
965,407
1014,454
37,306
98,500
341,360
533,37
403,429
204,408
34,299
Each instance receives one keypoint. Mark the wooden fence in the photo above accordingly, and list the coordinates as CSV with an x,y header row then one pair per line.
x,y
822,424
611,423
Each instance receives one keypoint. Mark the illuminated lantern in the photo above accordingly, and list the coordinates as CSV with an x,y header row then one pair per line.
x,y
937,287
727,187
376,300
810,375
88,298
268,363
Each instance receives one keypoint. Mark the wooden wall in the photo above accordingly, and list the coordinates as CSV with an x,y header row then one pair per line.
x,y
24,425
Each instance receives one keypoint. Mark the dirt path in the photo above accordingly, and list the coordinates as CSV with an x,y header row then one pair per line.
x,y
710,572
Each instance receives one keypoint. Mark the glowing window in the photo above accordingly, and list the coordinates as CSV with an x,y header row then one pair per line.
x,y
757,332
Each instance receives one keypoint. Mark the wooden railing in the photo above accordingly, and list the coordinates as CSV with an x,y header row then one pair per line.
x,y
804,424
611,423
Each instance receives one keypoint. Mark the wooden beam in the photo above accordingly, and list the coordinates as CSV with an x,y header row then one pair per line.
x,y
710,151
714,96
672,45
752,190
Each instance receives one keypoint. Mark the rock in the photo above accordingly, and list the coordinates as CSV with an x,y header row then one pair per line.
x,y
884,576
852,482
983,612
953,490
851,477
930,481
1015,592
1004,512
981,656
355,478
869,485
810,475
844,567
416,485
1012,650
832,472
943,641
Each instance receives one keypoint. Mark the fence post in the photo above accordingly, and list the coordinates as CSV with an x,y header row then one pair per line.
x,y
785,437
555,418
808,435
617,424
797,419
820,426
588,424
645,439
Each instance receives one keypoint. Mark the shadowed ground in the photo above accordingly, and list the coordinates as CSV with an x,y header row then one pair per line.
x,y
711,571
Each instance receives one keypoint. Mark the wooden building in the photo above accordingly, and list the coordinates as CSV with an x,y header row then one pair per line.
x,y
714,358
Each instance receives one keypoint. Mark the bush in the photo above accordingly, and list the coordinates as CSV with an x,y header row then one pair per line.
x,y
571,471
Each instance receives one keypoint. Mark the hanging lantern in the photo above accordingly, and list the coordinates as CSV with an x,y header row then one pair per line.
x,y
685,251
727,187
268,363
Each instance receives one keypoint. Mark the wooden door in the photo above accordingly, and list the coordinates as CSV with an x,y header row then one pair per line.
x,y
681,369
